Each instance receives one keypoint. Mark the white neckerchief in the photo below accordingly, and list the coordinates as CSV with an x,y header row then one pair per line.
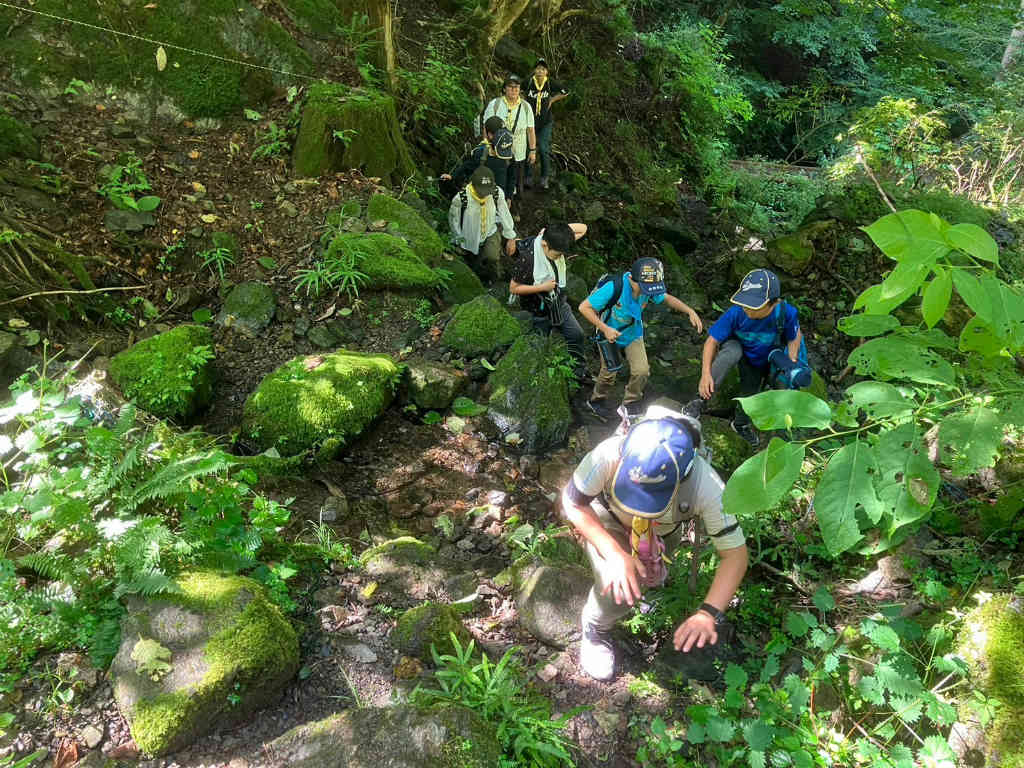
x,y
542,271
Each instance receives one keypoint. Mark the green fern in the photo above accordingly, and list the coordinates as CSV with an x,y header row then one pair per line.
x,y
173,479
105,641
148,585
49,565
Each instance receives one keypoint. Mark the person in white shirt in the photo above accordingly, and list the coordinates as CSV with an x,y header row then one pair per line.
x,y
476,214
519,119
627,499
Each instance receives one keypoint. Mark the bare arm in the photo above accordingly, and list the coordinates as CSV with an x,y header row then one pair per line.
x,y
520,289
588,312
684,308
578,229
699,629
794,346
707,384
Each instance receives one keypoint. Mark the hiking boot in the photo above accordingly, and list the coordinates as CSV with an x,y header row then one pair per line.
x,y
598,409
746,431
694,408
597,653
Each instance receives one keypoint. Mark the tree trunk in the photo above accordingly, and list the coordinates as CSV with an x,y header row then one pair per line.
x,y
381,19
499,18
1014,47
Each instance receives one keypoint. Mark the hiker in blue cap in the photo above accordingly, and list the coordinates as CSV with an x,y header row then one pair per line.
x,y
621,300
628,499
760,333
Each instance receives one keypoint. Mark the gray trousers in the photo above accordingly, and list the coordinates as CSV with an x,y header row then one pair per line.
x,y
730,354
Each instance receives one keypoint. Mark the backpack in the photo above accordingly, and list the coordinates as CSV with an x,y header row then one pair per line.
x,y
617,280
465,204
775,375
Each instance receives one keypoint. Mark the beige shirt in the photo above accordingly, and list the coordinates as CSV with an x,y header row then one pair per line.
x,y
520,140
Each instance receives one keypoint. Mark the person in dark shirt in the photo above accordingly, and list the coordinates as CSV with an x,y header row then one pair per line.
x,y
541,93
496,148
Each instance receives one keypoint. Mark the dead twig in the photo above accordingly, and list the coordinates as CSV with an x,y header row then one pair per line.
x,y
61,293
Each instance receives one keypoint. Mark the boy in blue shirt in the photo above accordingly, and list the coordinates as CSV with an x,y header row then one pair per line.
x,y
759,331
621,323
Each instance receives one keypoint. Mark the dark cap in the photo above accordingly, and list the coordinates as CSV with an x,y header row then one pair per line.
x,y
482,181
541,63
649,273
512,80
758,288
656,456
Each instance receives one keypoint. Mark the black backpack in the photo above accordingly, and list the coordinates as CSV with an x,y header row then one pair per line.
x,y
617,280
465,204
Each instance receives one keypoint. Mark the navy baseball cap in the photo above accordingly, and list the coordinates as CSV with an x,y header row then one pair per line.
x,y
758,288
656,456
650,274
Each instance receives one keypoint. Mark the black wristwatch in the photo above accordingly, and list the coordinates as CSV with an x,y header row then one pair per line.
x,y
716,614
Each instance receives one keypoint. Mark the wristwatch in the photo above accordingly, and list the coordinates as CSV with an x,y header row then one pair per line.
x,y
713,612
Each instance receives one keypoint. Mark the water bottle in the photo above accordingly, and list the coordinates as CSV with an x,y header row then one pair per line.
x,y
610,355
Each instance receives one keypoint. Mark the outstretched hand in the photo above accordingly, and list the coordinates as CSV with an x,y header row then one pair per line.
x,y
697,630
706,386
695,321
624,582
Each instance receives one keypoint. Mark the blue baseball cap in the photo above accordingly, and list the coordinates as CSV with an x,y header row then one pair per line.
x,y
758,288
649,273
656,456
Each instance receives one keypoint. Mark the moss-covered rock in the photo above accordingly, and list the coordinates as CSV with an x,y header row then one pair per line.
x,y
434,385
530,393
682,283
794,253
249,307
16,139
550,602
463,285
577,183
401,736
387,261
991,641
728,449
480,328
405,220
395,554
430,624
227,241
222,651
366,118
198,85
319,403
171,374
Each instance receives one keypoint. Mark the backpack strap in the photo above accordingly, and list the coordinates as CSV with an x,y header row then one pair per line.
x,y
519,111
465,204
617,282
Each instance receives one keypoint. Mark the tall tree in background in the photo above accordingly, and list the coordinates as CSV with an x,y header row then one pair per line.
x,y
1014,45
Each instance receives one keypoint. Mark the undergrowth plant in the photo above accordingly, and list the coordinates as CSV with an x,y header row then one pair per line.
x,y
339,269
122,180
94,510
216,260
497,692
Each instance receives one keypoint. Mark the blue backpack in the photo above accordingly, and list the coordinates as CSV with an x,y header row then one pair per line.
x,y
778,377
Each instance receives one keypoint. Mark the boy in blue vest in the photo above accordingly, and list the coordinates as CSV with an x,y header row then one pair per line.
x,y
760,333
615,308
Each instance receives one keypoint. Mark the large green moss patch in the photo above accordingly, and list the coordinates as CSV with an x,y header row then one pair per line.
x,y
16,139
319,403
407,222
387,261
169,375
480,327
345,128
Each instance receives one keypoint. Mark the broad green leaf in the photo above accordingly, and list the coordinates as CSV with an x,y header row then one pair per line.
x,y
758,734
148,203
267,263
909,236
763,479
907,482
970,290
871,301
936,753
736,677
719,729
935,338
970,441
879,400
882,635
1005,305
202,315
823,600
907,276
755,758
796,625
867,325
786,408
936,297
846,485
802,759
974,240
891,357
799,694
466,408
432,417
977,336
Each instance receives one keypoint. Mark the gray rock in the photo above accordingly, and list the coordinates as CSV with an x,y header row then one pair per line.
x,y
122,131
697,663
288,209
128,221
433,385
360,652
92,736
322,337
301,327
399,736
550,602
334,507
249,307
14,359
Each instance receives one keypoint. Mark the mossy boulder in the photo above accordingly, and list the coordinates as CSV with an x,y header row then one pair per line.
x,y
319,402
373,140
728,449
400,736
170,374
550,602
197,85
387,261
794,253
204,658
430,624
407,221
577,183
530,393
405,568
681,281
743,262
463,285
480,327
589,270
16,139
434,385
991,641
249,307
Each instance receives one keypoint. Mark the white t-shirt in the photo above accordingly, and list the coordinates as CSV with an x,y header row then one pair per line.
x,y
700,493
500,108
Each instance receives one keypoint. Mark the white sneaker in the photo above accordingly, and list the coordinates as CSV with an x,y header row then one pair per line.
x,y
597,653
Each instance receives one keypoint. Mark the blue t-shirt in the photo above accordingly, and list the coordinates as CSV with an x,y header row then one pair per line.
x,y
625,310
756,336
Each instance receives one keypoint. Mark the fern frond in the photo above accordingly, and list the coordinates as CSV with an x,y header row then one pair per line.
x,y
173,479
104,644
139,549
48,565
148,585
125,420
